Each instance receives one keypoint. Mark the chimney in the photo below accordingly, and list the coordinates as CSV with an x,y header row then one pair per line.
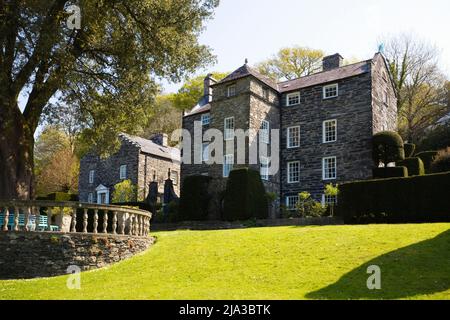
x,y
160,138
207,83
332,62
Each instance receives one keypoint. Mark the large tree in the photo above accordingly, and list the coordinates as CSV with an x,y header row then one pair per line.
x,y
292,63
106,68
419,82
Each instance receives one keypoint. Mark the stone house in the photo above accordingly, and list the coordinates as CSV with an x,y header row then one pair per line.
x,y
140,160
325,120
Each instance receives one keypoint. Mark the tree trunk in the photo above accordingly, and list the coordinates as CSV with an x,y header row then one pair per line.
x,y
16,155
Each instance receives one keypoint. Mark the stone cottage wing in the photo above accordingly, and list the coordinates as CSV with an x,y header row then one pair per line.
x,y
245,71
148,146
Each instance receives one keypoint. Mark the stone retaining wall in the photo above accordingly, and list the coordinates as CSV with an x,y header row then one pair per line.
x,y
45,254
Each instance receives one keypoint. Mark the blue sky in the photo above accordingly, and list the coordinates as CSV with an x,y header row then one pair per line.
x,y
256,29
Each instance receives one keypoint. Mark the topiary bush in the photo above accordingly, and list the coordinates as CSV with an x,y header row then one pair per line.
x,y
415,166
387,147
389,172
245,196
427,158
194,198
396,200
409,149
441,162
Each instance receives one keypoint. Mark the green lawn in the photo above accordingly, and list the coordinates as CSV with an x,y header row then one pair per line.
x,y
269,263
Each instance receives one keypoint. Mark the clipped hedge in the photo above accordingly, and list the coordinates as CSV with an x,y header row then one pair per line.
x,y
389,172
415,166
409,149
245,196
59,196
387,147
194,199
396,200
427,157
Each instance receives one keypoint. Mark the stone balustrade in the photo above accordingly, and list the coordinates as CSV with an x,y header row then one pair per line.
x,y
73,217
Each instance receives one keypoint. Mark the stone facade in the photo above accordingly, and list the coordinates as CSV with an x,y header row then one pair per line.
x,y
365,103
46,254
142,167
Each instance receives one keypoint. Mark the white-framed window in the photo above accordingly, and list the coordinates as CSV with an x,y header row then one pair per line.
x,y
293,137
329,168
90,197
291,202
330,91
205,151
264,168
293,171
229,128
264,131
123,172
228,161
174,177
91,176
231,90
205,119
328,200
329,131
293,98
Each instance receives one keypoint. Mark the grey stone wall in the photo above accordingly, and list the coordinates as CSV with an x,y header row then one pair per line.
x,y
107,171
352,110
46,254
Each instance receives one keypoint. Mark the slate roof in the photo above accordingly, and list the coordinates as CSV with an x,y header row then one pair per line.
x,y
148,146
202,106
245,71
326,76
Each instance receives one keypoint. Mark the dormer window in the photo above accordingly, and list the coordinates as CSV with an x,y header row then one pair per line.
x,y
205,119
293,99
231,90
330,91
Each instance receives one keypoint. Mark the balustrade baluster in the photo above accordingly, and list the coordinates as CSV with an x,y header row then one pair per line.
x,y
122,223
49,219
6,221
85,220
16,218
105,221
95,221
37,214
27,218
74,220
114,222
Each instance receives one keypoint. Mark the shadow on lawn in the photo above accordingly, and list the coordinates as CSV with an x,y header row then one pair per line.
x,y
421,268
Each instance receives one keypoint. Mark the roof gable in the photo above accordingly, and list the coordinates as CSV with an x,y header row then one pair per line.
x,y
148,146
246,71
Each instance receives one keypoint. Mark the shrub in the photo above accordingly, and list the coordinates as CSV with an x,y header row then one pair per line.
x,y
124,191
387,147
442,161
427,158
308,207
332,191
415,166
59,196
399,200
245,196
389,172
409,149
194,198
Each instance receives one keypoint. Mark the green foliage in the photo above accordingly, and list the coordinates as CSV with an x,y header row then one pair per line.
x,y
389,172
194,198
59,196
332,191
192,91
415,166
308,207
442,161
387,147
436,138
124,191
413,199
245,196
271,197
409,149
427,158
292,63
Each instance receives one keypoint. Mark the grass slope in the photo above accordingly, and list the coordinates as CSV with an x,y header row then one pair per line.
x,y
327,262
